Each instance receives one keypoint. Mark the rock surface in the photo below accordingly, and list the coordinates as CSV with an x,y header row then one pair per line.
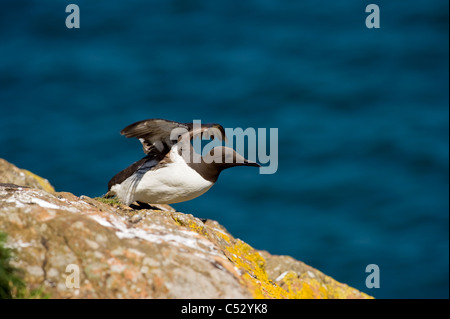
x,y
114,251
9,173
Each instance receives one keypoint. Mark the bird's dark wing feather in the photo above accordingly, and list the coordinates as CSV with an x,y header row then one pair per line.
x,y
155,134
147,162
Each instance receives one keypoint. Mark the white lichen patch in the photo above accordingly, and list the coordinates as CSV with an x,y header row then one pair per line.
x,y
102,221
53,273
136,252
61,286
14,201
44,203
115,265
280,277
18,244
144,269
151,262
182,238
78,225
35,271
100,238
23,198
92,244
98,255
14,218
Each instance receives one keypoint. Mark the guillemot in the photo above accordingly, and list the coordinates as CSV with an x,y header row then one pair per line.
x,y
172,172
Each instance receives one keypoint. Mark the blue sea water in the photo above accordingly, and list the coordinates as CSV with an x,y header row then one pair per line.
x,y
362,116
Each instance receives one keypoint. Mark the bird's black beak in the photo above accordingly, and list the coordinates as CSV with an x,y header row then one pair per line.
x,y
250,163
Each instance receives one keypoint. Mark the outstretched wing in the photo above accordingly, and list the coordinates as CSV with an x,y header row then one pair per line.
x,y
158,135
154,134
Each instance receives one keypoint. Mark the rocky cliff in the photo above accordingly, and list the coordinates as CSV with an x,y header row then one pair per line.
x,y
81,247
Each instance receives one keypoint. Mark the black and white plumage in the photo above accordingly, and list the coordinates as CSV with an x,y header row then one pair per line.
x,y
166,175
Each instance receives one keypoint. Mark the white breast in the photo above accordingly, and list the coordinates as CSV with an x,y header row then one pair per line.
x,y
176,182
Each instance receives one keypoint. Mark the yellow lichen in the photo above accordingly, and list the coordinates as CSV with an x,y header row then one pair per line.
x,y
191,224
255,276
304,287
222,235
42,181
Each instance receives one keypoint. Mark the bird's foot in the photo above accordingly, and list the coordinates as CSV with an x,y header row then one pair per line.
x,y
141,205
